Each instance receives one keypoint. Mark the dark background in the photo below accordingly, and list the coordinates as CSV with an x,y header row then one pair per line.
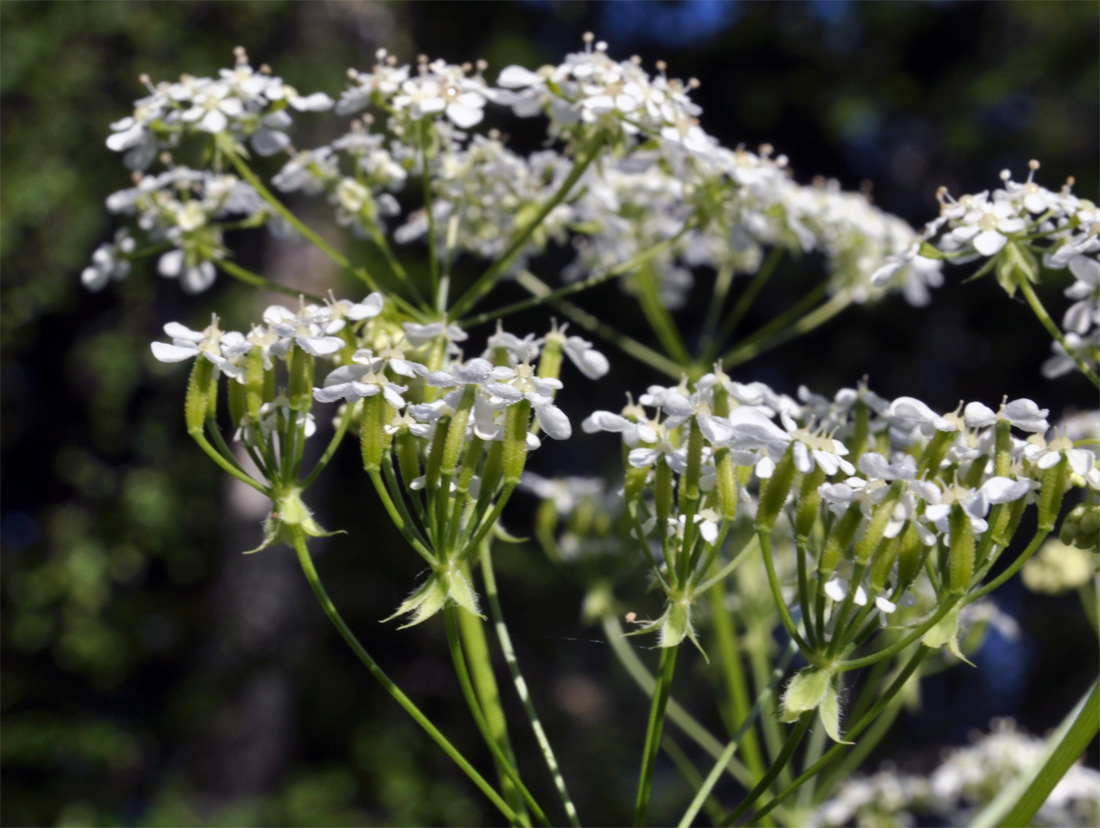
x,y
152,675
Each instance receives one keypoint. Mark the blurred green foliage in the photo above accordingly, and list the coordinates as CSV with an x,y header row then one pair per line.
x,y
150,674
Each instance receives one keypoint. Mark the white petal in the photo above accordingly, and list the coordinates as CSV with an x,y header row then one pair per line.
x,y
172,353
553,421
989,242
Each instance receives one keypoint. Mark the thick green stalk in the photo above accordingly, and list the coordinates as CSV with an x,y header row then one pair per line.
x,y
653,732
659,319
298,539
780,762
1065,747
454,640
777,594
476,645
506,647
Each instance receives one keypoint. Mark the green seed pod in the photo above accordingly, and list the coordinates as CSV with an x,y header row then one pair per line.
x,y
408,456
634,484
435,454
911,557
238,401
550,362
689,486
456,433
839,540
877,525
371,432
861,429
490,472
202,395
934,452
1054,485
514,454
1002,452
961,551
883,562
301,382
255,382
726,484
469,464
663,491
809,500
775,492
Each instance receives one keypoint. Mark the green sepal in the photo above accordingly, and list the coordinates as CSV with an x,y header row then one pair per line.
x,y
945,632
674,626
806,692
288,510
442,586
829,711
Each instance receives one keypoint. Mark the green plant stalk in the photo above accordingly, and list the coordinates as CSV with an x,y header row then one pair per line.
x,y
722,283
723,573
299,542
476,645
895,648
744,730
395,266
226,466
758,641
777,595
780,762
745,300
246,276
631,347
310,234
330,450
454,640
426,188
676,713
813,752
894,688
506,647
1014,567
402,521
486,280
1048,323
659,319
691,775
656,723
1065,747
812,320
725,634
578,286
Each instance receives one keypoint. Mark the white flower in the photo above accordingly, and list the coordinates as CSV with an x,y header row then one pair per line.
x,y
195,277
986,224
218,347
109,261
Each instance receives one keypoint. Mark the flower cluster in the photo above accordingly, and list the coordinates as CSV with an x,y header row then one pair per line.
x,y
1014,228
243,102
890,481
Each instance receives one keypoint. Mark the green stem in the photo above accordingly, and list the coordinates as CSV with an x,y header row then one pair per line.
x,y
476,646
812,320
629,346
777,594
691,775
311,235
214,455
454,640
298,539
595,279
707,343
486,280
904,642
239,273
402,520
330,450
395,266
744,730
1065,748
1048,323
426,188
506,647
659,318
745,300
780,762
653,732
1014,567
